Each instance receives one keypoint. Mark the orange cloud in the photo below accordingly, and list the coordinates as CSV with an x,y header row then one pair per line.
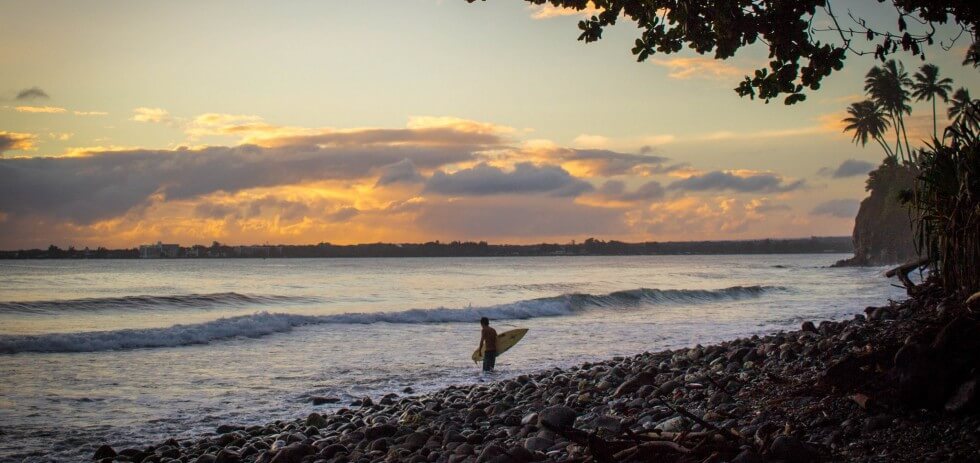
x,y
152,115
40,109
698,67
547,11
90,113
16,141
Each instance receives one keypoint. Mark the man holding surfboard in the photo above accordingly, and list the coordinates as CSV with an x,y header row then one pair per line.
x,y
488,344
493,344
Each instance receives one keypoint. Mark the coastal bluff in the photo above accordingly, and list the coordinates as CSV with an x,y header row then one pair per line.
x,y
883,233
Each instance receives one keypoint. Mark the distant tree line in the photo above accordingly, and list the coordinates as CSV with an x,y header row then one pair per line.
x,y
589,247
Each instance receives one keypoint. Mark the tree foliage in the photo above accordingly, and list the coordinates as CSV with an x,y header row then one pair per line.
x,y
798,58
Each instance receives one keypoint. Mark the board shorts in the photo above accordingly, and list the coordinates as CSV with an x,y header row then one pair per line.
x,y
489,359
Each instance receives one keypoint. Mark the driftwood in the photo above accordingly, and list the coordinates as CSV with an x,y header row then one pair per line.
x,y
902,272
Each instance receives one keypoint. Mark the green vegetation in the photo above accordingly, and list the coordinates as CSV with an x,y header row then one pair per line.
x,y
927,195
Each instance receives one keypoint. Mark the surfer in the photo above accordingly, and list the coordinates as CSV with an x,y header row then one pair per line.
x,y
488,342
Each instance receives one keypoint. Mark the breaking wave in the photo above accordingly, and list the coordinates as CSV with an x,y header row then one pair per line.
x,y
265,323
151,302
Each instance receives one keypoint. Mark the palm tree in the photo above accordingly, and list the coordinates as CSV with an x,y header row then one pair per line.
x,y
888,87
928,86
960,106
868,120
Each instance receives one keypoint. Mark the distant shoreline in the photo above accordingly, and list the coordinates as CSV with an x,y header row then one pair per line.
x,y
589,247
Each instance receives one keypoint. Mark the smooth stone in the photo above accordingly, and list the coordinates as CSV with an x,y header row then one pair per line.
x,y
318,400
675,424
790,449
538,444
227,456
293,453
104,451
557,417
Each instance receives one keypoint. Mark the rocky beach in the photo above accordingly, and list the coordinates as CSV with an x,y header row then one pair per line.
x,y
896,384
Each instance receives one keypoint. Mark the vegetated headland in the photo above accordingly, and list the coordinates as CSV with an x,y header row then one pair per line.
x,y
588,247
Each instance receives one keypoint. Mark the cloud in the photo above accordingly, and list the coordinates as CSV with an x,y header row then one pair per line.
x,y
14,141
33,93
510,217
737,180
615,190
40,109
403,171
98,185
547,11
457,124
483,179
90,113
592,162
848,168
763,205
152,115
840,208
698,67
61,136
645,143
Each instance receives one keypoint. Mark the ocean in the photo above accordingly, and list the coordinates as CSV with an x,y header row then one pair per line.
x,y
134,352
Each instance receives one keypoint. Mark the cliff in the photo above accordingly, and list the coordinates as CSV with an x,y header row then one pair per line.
x,y
883,232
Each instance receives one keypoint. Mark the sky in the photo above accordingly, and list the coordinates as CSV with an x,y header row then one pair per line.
x,y
250,122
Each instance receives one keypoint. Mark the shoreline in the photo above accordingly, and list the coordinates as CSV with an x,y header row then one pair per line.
x,y
754,399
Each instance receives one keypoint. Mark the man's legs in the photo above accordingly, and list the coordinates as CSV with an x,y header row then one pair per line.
x,y
489,359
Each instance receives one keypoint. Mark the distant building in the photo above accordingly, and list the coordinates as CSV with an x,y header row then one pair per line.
x,y
159,250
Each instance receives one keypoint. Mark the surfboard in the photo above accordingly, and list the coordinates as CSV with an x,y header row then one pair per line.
x,y
505,341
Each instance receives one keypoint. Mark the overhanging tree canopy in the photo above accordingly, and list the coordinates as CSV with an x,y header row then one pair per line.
x,y
798,59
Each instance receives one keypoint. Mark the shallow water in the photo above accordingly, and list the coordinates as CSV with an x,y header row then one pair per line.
x,y
123,352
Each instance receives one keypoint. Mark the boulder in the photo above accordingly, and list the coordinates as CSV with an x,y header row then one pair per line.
x,y
557,417
293,453
104,451
635,383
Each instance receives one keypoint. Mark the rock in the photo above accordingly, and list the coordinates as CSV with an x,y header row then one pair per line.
x,y
206,458
877,422
808,327
557,417
329,451
789,448
965,398
316,419
538,444
227,456
379,445
319,400
293,453
530,419
104,451
226,428
635,383
668,387
748,456
675,424
463,449
167,451
408,390
416,440
381,430
489,453
609,423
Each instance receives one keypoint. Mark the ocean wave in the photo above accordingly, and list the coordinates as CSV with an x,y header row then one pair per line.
x,y
265,323
150,302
